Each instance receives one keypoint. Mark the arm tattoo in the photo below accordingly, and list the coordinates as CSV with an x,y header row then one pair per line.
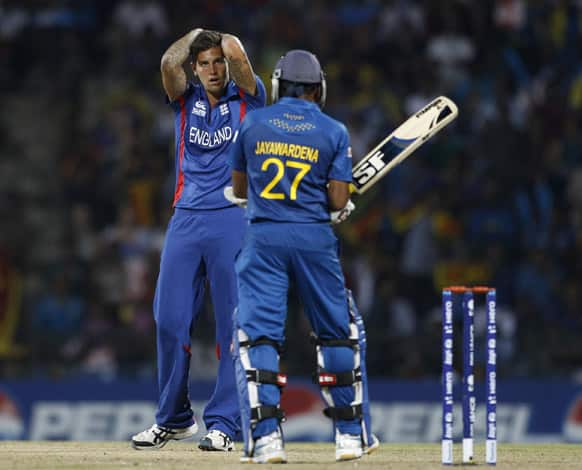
x,y
173,75
241,73
238,63
178,52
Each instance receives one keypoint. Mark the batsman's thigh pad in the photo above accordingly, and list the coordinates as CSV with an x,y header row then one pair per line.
x,y
258,385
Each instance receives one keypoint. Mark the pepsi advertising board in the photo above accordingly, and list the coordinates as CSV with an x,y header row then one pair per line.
x,y
89,410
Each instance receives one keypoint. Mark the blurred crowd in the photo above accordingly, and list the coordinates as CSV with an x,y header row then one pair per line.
x,y
87,177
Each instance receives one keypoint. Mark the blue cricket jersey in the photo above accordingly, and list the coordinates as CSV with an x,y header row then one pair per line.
x,y
290,151
203,136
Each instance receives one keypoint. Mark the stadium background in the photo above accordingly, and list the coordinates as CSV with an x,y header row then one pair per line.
x,y
86,181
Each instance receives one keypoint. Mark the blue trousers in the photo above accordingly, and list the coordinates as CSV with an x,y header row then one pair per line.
x,y
199,246
272,254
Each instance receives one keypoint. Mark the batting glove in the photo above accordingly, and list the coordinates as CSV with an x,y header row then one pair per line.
x,y
337,217
229,195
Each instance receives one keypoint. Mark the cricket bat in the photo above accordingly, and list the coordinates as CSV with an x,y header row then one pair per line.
x,y
399,145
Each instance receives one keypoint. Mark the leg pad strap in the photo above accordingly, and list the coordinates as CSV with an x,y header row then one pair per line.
x,y
331,343
343,412
261,341
266,377
337,379
263,412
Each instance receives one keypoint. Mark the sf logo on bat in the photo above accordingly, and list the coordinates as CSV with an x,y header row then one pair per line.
x,y
370,167
416,130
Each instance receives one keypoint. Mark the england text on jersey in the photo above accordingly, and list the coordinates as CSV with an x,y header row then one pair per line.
x,y
210,139
302,152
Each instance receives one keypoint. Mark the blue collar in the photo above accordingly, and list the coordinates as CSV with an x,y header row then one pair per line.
x,y
298,102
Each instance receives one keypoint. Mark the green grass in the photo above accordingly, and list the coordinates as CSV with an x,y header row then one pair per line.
x,y
110,455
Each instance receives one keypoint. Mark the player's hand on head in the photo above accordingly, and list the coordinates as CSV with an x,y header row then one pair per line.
x,y
337,217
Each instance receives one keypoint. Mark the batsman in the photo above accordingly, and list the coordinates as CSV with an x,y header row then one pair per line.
x,y
293,163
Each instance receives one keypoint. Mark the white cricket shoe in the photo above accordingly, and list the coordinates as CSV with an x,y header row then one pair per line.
x,y
216,440
268,449
373,446
157,436
348,446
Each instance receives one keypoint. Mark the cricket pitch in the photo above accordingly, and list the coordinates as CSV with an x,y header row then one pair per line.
x,y
112,455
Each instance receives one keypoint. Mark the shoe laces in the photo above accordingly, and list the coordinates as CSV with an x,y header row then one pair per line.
x,y
216,434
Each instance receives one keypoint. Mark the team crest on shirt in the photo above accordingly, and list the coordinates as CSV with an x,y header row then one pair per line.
x,y
349,152
199,109
223,108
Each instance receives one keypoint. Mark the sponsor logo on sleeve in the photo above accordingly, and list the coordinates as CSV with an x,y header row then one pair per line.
x,y
199,109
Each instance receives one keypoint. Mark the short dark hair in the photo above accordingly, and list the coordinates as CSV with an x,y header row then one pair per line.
x,y
295,90
205,40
